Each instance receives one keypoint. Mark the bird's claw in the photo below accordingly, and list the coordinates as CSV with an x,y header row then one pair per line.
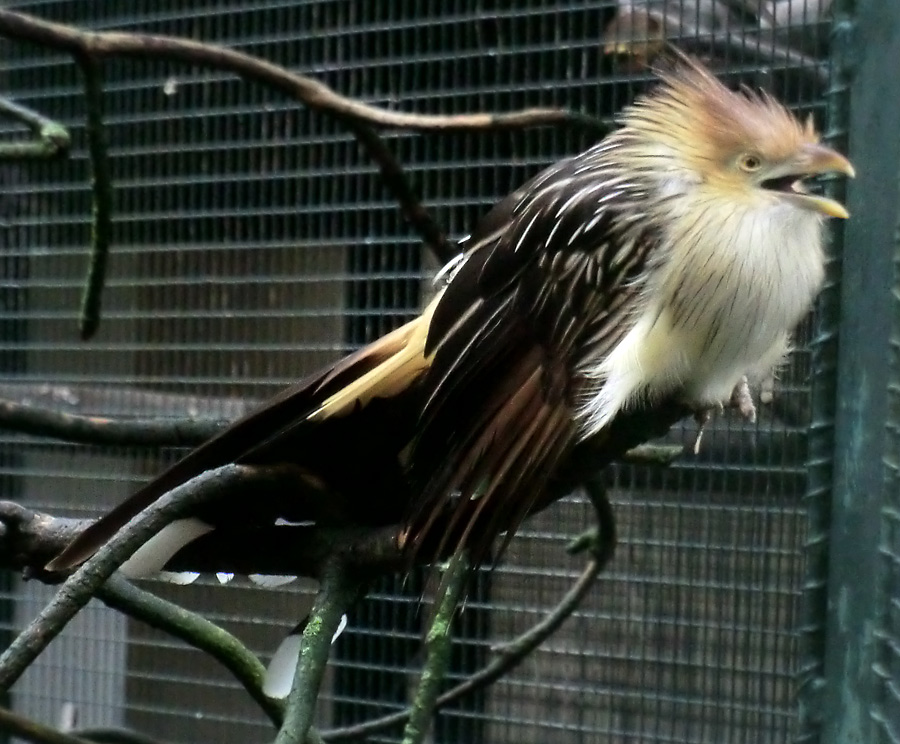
x,y
702,416
742,400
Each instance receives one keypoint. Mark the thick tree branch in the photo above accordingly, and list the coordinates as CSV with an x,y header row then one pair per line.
x,y
755,46
157,432
78,589
338,591
129,403
52,139
125,432
33,731
196,631
437,647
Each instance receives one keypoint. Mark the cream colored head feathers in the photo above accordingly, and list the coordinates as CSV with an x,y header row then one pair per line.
x,y
745,144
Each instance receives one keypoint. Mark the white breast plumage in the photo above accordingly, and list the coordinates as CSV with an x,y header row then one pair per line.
x,y
715,310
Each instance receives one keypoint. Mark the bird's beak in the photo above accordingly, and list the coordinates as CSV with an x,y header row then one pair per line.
x,y
817,160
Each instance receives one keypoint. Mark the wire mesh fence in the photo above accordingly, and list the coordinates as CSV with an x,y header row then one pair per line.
x,y
253,242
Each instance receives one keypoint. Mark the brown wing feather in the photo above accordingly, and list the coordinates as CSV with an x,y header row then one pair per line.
x,y
464,413
259,436
533,302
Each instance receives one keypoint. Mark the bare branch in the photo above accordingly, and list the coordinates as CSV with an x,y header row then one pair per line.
x,y
126,402
53,139
78,589
109,735
338,591
395,179
357,116
29,539
101,179
658,455
437,646
315,94
198,632
753,44
156,432
34,731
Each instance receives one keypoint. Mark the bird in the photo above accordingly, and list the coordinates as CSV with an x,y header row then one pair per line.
x,y
639,30
669,261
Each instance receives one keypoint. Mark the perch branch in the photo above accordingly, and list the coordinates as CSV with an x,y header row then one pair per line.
x,y
601,542
123,401
156,432
437,647
337,592
101,209
77,590
196,631
187,431
29,730
52,140
659,455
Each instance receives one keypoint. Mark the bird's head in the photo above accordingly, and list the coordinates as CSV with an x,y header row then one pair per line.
x,y
741,145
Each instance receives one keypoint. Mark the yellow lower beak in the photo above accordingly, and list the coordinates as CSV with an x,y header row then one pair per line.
x,y
817,160
822,204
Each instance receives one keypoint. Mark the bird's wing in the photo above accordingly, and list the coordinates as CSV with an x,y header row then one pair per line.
x,y
553,278
278,429
473,400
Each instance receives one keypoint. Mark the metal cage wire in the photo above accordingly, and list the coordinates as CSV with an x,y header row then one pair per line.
x,y
253,242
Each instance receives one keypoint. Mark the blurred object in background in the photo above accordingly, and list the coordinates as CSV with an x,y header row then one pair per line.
x,y
640,29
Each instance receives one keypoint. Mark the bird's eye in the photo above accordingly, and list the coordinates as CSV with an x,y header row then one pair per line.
x,y
750,162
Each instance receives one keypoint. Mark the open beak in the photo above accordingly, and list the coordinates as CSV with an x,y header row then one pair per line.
x,y
813,160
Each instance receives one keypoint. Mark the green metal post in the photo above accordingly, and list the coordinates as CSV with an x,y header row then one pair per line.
x,y
866,48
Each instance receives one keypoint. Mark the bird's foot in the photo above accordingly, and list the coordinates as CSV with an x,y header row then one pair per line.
x,y
741,399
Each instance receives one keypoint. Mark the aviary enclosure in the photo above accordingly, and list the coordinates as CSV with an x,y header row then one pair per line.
x,y
272,185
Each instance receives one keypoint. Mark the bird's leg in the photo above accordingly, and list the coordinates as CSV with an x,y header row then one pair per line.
x,y
703,416
741,398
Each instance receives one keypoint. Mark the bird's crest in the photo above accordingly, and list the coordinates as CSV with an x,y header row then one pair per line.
x,y
701,117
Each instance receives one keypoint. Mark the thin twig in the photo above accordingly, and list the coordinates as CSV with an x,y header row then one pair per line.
x,y
513,653
437,646
118,432
337,592
359,117
101,181
84,583
53,138
313,93
33,731
395,180
198,632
